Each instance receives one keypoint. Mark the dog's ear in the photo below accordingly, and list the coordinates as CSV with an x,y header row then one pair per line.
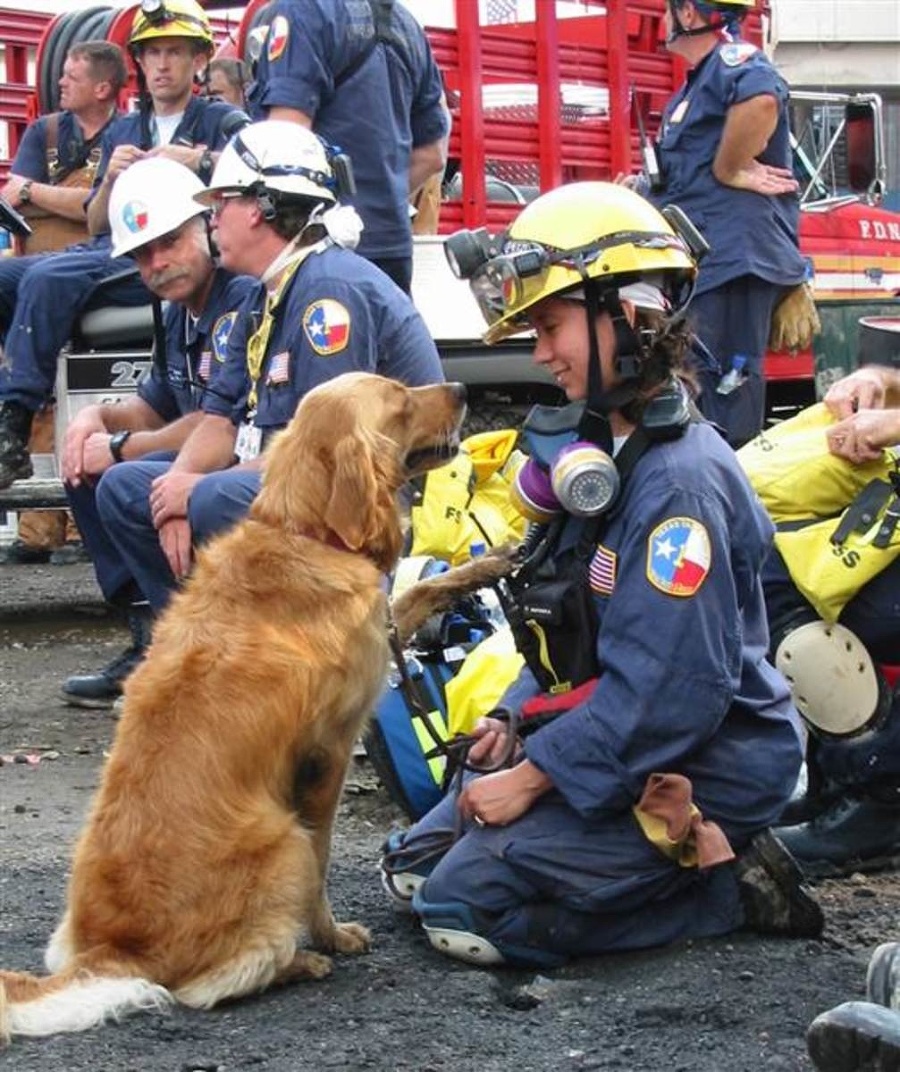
x,y
362,510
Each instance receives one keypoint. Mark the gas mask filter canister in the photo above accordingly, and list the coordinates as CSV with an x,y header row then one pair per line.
x,y
582,480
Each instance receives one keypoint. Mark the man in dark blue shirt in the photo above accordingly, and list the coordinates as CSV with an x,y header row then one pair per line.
x,y
155,220
362,75
319,309
725,158
51,291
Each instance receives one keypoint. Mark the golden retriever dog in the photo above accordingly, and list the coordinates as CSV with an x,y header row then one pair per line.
x,y
201,872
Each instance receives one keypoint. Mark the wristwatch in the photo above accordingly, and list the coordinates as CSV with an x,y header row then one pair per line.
x,y
116,442
25,192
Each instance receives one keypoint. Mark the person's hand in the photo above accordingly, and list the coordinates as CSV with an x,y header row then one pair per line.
x,y
764,179
188,155
96,455
492,743
862,436
122,157
499,798
862,389
12,188
169,495
80,429
633,182
175,540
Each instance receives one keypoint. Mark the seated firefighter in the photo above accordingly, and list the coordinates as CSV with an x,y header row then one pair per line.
x,y
48,181
640,815
42,297
156,221
831,586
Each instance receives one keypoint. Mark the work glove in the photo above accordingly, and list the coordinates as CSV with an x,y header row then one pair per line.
x,y
795,320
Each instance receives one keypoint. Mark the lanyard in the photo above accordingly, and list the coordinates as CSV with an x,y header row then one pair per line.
x,y
258,342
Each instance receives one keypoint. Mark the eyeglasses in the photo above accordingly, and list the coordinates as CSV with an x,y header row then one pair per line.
x,y
220,200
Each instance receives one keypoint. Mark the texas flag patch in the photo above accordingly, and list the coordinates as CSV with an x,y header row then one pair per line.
x,y
327,326
135,216
678,556
278,37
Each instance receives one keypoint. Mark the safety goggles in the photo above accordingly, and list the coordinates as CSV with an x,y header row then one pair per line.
x,y
517,278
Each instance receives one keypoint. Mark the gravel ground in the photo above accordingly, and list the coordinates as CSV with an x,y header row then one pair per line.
x,y
740,1004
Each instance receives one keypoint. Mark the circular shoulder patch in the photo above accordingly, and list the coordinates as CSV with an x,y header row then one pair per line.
x,y
220,334
739,52
327,326
678,556
279,31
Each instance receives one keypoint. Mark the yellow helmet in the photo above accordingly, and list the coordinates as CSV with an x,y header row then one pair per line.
x,y
577,233
171,18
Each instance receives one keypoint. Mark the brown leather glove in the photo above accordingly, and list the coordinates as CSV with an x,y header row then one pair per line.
x,y
795,320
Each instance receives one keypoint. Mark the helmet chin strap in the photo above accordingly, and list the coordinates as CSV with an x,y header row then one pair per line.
x,y
594,424
678,30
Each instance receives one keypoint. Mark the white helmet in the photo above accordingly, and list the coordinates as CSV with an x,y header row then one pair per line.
x,y
273,155
151,198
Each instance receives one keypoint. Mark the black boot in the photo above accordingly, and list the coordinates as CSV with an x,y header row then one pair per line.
x,y
103,688
774,898
855,1037
860,831
15,429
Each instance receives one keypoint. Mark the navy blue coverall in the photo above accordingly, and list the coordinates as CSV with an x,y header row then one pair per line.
x,y
338,313
195,354
685,689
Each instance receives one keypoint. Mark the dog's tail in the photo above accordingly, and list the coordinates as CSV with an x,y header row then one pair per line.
x,y
72,1000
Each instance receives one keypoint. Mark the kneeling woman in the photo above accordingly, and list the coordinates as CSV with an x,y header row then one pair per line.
x,y
640,815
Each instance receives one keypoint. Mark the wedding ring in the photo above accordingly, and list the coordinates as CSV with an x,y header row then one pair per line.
x,y
478,820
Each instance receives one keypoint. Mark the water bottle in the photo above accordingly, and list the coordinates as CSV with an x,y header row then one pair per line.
x,y
734,377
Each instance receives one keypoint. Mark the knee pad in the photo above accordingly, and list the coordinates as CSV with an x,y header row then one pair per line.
x,y
834,683
452,930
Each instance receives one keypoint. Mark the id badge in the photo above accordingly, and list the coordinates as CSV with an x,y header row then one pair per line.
x,y
248,443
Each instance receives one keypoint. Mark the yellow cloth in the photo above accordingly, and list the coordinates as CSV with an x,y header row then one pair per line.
x,y
481,680
467,501
799,479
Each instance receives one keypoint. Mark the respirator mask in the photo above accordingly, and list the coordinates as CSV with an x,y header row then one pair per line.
x,y
563,474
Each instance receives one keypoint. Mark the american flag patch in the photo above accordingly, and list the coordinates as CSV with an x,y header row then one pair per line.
x,y
204,366
279,368
602,571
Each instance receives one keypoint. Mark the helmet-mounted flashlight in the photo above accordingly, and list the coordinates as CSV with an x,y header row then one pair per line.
x,y
154,11
467,251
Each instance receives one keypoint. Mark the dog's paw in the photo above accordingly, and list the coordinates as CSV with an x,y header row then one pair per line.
x,y
352,938
308,965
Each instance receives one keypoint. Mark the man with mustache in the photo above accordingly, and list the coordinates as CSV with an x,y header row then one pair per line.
x,y
170,46
318,309
156,221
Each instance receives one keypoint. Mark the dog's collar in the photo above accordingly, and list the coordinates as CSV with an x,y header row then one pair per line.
x,y
331,539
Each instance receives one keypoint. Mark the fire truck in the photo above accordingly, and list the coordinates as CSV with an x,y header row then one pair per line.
x,y
534,104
